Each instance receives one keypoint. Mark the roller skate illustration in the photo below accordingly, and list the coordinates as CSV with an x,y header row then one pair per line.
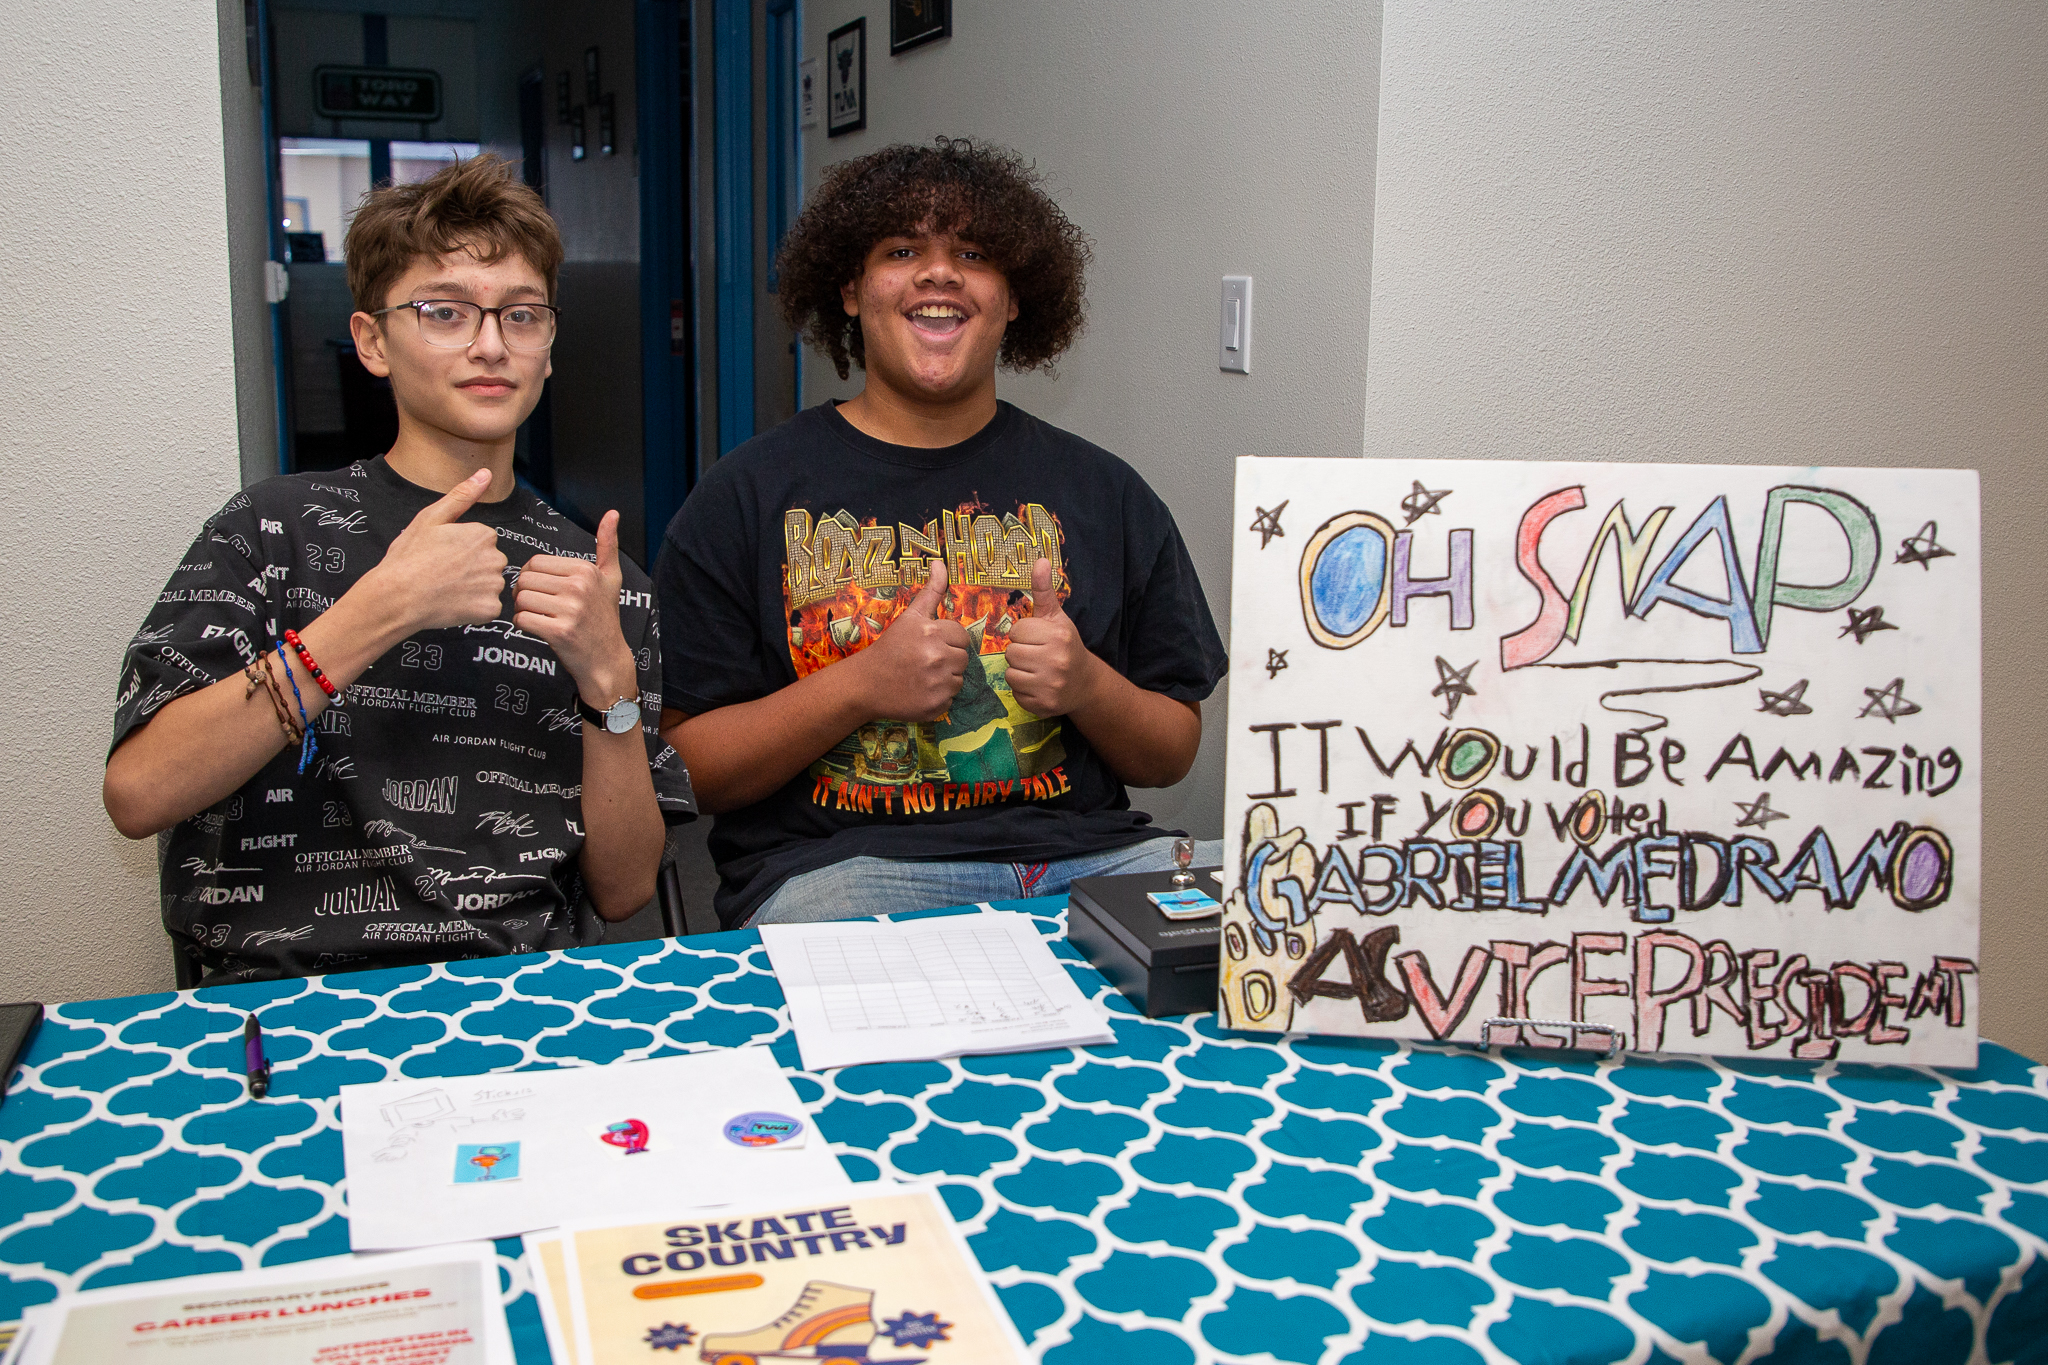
x,y
830,1324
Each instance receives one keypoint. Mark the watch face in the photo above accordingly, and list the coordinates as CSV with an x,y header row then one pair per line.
x,y
623,716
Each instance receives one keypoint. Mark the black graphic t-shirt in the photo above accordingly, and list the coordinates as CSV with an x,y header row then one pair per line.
x,y
442,817
798,549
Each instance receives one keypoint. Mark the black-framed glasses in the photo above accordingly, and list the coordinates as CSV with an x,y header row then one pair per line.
x,y
454,323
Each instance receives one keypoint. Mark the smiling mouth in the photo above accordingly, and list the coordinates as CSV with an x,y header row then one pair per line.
x,y
938,319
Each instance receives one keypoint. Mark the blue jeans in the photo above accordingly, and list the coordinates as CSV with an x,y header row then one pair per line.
x,y
884,886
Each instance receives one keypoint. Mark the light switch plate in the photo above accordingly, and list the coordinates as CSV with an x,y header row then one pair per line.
x,y
1234,326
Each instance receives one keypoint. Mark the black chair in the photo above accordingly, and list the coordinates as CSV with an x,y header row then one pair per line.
x,y
668,892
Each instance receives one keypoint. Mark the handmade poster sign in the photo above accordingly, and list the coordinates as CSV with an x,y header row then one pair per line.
x,y
1687,752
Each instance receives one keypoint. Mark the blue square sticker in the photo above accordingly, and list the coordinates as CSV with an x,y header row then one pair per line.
x,y
481,1163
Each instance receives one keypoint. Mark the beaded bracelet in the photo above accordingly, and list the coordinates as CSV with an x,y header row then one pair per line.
x,y
308,746
306,657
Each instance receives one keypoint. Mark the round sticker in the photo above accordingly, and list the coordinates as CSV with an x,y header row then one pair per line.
x,y
763,1129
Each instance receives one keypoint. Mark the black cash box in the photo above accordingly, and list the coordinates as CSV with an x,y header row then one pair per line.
x,y
1161,966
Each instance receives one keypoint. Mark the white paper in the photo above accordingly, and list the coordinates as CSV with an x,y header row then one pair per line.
x,y
439,1305
399,1141
881,991
1688,752
545,1263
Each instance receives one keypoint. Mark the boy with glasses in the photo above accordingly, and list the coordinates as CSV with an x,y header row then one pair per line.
x,y
920,641
394,713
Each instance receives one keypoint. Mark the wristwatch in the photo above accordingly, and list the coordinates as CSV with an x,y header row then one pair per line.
x,y
619,718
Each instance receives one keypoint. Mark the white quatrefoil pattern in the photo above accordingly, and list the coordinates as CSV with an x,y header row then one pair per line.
x,y
1185,1195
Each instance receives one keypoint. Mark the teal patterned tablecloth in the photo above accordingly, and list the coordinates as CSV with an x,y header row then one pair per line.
x,y
1185,1195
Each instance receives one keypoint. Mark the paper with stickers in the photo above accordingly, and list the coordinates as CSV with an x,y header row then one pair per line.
x,y
1674,757
444,1158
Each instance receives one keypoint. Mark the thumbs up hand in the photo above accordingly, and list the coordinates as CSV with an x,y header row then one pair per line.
x,y
913,670
1050,669
573,604
442,571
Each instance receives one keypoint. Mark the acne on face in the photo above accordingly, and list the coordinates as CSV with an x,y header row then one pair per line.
x,y
932,311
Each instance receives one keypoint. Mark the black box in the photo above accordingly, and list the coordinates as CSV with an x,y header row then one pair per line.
x,y
1161,966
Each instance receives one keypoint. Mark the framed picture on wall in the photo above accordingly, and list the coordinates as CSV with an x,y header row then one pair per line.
x,y
846,78
912,22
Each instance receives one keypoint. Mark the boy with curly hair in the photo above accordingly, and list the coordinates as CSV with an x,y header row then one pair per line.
x,y
918,643
391,714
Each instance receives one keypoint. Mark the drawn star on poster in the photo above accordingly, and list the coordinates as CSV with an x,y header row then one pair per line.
x,y
1758,813
1790,702
1865,623
1889,702
1923,549
1423,503
1267,524
1453,684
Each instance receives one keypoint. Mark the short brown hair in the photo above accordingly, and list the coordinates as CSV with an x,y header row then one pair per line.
x,y
986,194
479,206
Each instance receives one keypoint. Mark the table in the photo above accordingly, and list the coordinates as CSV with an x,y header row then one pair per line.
x,y
1186,1195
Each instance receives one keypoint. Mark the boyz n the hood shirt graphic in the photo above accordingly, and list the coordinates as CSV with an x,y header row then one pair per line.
x,y
798,549
845,581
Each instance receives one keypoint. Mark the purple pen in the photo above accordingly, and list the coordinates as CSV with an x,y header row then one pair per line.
x,y
253,1060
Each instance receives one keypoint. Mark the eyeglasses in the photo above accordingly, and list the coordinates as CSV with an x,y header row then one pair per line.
x,y
455,323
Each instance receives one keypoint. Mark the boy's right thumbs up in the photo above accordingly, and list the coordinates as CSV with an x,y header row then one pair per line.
x,y
455,501
441,571
926,603
914,669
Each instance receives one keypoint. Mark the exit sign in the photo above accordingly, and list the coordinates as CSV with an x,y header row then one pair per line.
x,y
358,92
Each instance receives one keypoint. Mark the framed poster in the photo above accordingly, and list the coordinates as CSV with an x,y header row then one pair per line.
x,y
807,93
913,23
846,78
1685,757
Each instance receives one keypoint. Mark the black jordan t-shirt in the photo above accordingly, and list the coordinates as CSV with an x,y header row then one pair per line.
x,y
798,549
442,815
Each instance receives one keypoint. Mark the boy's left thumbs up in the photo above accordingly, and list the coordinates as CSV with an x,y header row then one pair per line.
x,y
608,544
1047,663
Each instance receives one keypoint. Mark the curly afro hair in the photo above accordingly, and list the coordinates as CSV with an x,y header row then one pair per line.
x,y
988,195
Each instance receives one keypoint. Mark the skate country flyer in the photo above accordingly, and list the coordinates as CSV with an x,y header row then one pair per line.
x,y
871,1279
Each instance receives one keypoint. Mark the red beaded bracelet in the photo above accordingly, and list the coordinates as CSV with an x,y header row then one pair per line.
x,y
291,637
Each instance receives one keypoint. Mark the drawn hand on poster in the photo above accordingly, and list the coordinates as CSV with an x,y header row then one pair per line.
x,y
1272,903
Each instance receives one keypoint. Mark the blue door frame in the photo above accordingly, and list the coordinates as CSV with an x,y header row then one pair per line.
x,y
273,195
784,162
732,136
669,381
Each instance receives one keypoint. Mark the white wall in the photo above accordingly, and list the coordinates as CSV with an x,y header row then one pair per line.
x,y
1750,233
1192,141
120,438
